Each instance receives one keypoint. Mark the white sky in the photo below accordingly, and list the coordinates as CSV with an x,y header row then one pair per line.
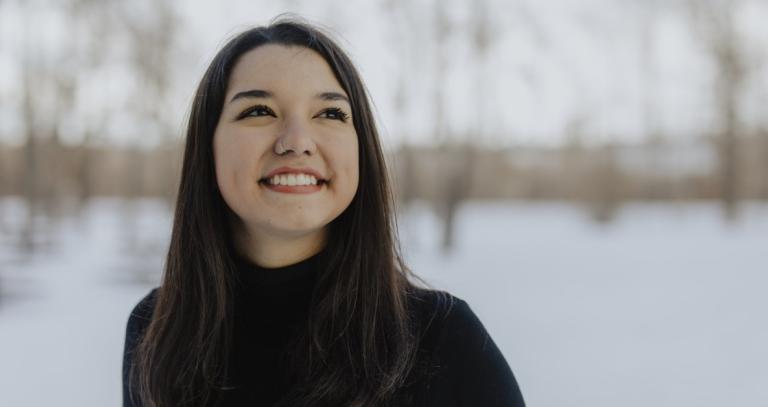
x,y
553,65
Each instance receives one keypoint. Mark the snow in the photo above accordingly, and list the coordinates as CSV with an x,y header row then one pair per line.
x,y
663,307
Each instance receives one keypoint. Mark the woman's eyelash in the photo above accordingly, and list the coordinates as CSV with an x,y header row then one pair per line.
x,y
257,108
333,113
340,114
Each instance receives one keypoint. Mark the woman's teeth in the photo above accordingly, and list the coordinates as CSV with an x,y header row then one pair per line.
x,y
292,179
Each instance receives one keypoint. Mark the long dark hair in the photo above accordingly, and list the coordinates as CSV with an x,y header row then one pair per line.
x,y
360,344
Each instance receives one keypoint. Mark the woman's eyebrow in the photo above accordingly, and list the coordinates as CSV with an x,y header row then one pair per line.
x,y
253,93
332,96
265,94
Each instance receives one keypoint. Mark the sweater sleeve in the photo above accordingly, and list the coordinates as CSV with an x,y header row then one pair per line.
x,y
138,321
472,369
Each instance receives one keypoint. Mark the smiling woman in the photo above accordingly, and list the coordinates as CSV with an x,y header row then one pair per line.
x,y
287,122
283,284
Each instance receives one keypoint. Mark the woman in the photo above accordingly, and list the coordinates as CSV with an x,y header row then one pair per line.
x,y
283,284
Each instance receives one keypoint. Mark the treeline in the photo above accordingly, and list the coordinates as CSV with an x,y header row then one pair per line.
x,y
604,174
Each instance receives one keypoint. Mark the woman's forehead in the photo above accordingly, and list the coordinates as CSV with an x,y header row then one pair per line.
x,y
280,69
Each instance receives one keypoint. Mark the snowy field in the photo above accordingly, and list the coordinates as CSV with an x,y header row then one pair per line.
x,y
664,307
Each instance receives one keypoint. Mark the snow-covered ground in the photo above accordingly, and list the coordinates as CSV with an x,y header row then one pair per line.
x,y
664,307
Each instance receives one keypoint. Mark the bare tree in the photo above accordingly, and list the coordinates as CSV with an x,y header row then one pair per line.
x,y
31,153
461,163
405,40
152,47
714,20
95,19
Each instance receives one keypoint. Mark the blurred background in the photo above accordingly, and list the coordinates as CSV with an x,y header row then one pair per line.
x,y
591,176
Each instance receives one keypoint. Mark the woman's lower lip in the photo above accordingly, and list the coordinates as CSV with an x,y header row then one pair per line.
x,y
293,189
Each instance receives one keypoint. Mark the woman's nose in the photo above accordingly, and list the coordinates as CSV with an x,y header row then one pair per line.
x,y
296,138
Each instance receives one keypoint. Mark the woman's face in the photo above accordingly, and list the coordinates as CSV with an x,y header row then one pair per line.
x,y
285,148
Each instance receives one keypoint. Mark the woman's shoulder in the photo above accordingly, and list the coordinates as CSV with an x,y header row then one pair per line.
x,y
471,370
138,321
141,313
437,309
445,321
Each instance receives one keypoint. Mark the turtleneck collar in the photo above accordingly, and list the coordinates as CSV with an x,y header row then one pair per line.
x,y
297,278
271,308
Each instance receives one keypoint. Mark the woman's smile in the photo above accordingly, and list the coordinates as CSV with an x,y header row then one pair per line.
x,y
294,181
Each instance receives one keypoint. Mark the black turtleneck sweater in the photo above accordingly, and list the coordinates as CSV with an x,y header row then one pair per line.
x,y
272,304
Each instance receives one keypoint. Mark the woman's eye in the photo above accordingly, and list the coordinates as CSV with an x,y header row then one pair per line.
x,y
335,113
256,111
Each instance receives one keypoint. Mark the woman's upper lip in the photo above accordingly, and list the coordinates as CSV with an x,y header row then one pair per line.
x,y
292,170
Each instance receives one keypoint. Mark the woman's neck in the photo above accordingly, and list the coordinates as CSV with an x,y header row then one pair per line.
x,y
272,251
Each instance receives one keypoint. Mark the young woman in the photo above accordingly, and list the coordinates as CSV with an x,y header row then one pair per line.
x,y
283,285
